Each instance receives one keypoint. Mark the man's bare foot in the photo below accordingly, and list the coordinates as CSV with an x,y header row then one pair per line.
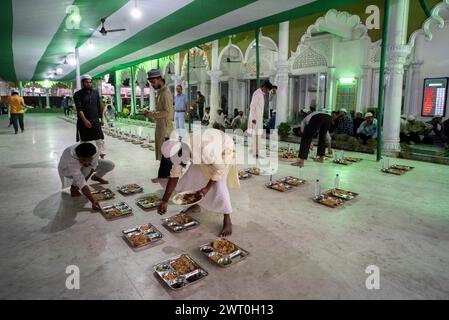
x,y
75,191
155,180
98,179
319,159
299,163
192,209
227,226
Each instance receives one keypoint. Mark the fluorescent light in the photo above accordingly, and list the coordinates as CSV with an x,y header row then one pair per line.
x,y
346,80
322,76
46,83
90,45
136,13
58,70
72,61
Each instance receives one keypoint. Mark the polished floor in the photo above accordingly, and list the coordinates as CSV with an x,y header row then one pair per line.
x,y
298,249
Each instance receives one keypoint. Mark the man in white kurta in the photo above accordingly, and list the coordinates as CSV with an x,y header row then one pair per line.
x,y
255,118
211,154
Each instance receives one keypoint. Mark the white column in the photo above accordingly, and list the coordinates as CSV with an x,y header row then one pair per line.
x,y
47,98
397,52
177,79
363,102
282,74
318,90
416,87
77,69
214,75
152,98
330,89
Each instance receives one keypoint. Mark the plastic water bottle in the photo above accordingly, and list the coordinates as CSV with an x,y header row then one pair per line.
x,y
337,181
317,188
387,163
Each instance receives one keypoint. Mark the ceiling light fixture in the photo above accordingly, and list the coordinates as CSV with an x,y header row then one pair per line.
x,y
135,12
58,70
72,61
90,45
65,60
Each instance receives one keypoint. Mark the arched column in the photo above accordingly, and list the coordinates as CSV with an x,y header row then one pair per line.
x,y
282,74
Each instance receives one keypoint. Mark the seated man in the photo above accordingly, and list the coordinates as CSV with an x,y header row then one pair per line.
x,y
206,117
109,114
78,163
212,169
237,121
345,124
413,129
272,122
368,129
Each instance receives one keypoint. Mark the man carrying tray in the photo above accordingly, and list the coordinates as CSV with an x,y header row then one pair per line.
x,y
78,163
211,154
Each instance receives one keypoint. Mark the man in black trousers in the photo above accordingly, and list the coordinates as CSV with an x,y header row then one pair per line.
x,y
317,121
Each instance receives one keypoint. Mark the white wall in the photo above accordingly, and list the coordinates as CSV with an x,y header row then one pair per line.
x,y
436,61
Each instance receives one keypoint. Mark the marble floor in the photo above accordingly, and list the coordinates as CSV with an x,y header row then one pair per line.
x,y
298,249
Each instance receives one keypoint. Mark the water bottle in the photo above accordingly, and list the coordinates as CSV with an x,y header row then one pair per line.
x,y
337,181
387,163
317,188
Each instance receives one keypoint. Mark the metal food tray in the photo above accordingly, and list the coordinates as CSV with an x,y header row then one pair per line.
x,y
245,175
401,167
173,226
351,159
145,204
394,171
181,281
224,260
153,235
270,185
104,194
342,194
320,198
254,172
126,191
300,181
137,141
125,210
342,162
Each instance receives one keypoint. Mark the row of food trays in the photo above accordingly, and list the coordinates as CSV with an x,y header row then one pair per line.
x,y
397,169
129,137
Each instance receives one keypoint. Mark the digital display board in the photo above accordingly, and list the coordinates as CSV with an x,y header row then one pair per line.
x,y
434,97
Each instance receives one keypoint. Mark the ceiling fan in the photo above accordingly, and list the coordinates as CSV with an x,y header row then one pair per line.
x,y
228,58
103,30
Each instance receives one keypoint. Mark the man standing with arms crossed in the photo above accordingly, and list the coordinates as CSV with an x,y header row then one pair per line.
x,y
181,109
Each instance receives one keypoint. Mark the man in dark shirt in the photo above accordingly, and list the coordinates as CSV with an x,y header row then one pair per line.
x,y
90,116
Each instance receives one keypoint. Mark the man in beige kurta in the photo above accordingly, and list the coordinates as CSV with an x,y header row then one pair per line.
x,y
163,116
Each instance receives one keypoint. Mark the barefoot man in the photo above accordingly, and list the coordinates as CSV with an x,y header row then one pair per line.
x,y
255,119
212,170
318,121
78,163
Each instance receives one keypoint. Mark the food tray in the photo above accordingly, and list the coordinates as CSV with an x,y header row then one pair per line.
x,y
179,280
279,186
337,202
342,161
103,194
342,194
257,171
121,209
351,159
178,226
289,156
401,167
180,198
149,201
223,260
244,175
293,181
137,141
394,171
149,233
128,189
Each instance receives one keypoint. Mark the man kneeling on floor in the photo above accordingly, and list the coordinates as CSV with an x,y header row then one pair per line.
x,y
78,163
212,169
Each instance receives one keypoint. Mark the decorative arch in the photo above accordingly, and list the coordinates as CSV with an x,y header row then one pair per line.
x,y
309,58
170,64
267,47
232,47
200,55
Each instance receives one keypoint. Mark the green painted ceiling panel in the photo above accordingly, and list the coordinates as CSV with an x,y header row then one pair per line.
x,y
7,70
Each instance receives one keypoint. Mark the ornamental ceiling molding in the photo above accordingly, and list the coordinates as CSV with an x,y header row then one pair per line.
x,y
435,19
375,51
338,23
307,57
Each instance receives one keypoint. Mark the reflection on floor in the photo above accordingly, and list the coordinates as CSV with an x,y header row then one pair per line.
x,y
298,249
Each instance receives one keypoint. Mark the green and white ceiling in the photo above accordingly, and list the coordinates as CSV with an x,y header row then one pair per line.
x,y
36,35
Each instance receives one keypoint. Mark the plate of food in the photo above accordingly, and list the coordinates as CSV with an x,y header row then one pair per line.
x,y
394,171
289,156
295,182
342,161
131,188
180,222
142,236
187,198
279,186
103,194
116,211
330,201
223,252
244,175
149,201
179,271
342,194
401,167
352,159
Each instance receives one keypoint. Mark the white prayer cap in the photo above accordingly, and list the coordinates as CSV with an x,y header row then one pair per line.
x,y
411,118
368,114
86,77
343,110
170,148
403,116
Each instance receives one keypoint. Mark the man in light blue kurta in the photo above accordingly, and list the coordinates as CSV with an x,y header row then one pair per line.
x,y
181,108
